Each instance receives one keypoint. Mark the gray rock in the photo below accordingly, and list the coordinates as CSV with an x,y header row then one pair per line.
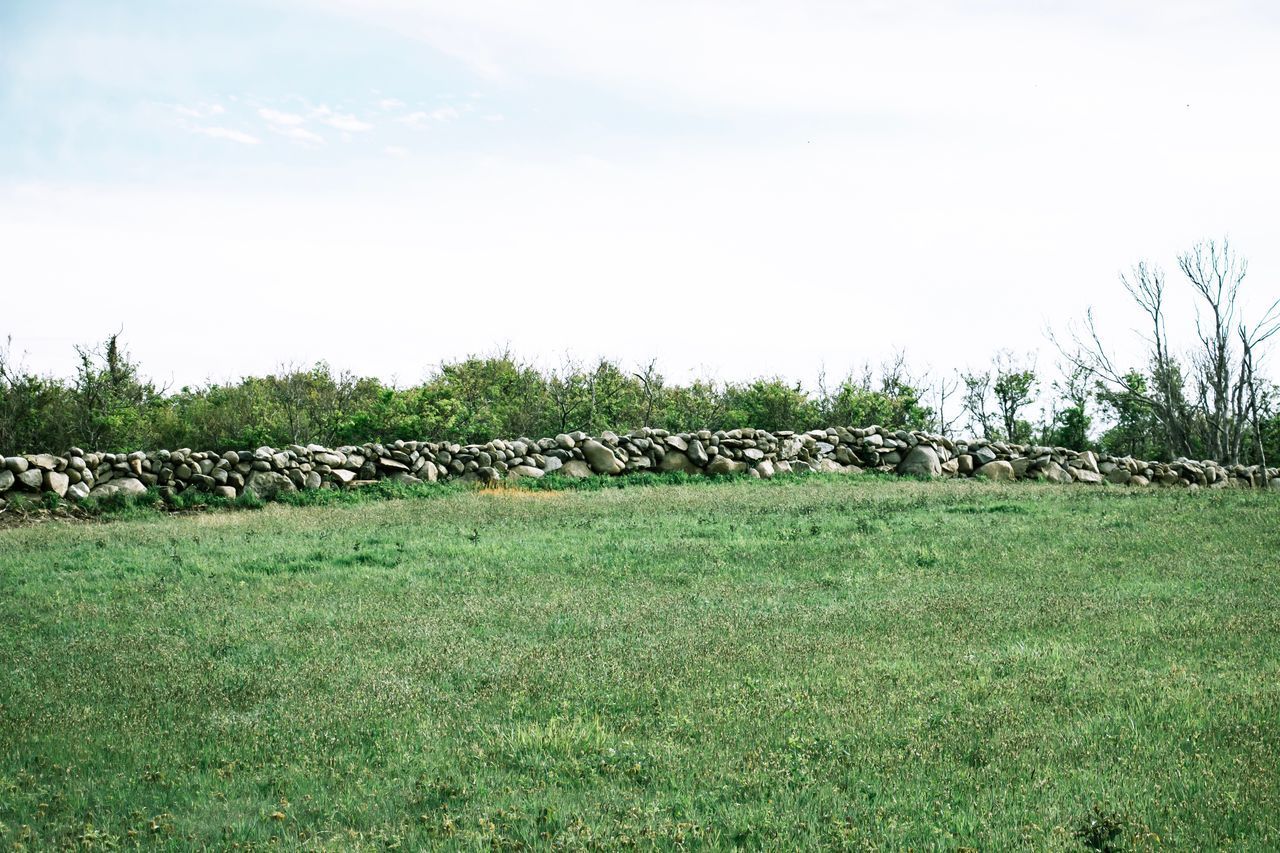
x,y
1054,473
997,469
77,491
125,485
1119,476
725,465
343,476
56,483
225,492
552,463
765,469
600,458
44,461
677,461
1084,475
6,479
982,456
697,454
311,481
921,461
519,471
268,484
32,478
676,443
16,464
575,468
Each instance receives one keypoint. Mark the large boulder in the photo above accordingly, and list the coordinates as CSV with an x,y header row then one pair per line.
x,y
268,484
1054,473
32,478
697,453
6,479
56,482
997,469
125,485
529,471
575,468
679,461
725,465
600,458
1084,475
921,461
44,461
1119,476
983,456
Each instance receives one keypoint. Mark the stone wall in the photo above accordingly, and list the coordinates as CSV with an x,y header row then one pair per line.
x,y
268,471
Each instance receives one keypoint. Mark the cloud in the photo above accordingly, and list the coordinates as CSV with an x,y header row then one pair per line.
x,y
228,134
341,121
419,119
300,134
199,110
389,104
1037,66
396,151
414,119
277,117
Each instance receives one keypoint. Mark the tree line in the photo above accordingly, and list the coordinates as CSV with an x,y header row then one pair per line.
x,y
1208,401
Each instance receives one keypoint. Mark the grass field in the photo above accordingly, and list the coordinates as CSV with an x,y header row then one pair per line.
x,y
816,662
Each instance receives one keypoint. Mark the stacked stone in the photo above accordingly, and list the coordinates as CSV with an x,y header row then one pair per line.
x,y
266,471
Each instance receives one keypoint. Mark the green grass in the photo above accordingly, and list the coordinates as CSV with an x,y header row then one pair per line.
x,y
817,662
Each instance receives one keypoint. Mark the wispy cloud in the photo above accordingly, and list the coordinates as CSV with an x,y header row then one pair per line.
x,y
300,134
397,151
229,134
414,119
341,121
389,104
276,117
421,118
199,110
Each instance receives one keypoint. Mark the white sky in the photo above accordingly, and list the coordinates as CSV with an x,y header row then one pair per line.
x,y
739,189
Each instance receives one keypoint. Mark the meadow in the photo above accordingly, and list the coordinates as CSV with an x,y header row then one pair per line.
x,y
826,661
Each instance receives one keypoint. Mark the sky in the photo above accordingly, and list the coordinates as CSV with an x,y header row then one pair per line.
x,y
735,188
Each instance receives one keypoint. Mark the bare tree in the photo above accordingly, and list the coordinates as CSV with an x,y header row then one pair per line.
x,y
1251,339
1217,418
945,390
651,382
